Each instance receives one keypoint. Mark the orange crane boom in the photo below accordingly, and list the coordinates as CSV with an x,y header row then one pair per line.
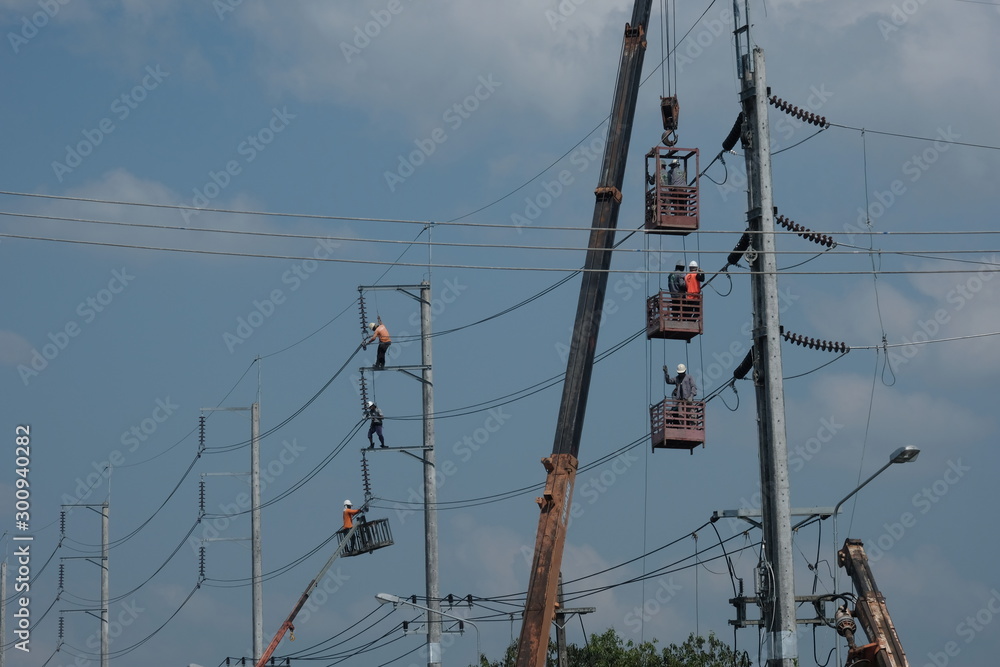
x,y
288,625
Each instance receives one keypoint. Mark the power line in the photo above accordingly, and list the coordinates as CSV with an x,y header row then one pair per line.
x,y
465,266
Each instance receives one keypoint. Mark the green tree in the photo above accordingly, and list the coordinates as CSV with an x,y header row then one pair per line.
x,y
609,649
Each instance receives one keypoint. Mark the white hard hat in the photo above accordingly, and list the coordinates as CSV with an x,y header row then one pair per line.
x,y
674,162
693,265
347,503
371,403
372,325
681,368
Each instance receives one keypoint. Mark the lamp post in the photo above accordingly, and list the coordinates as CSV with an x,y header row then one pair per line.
x,y
395,600
901,455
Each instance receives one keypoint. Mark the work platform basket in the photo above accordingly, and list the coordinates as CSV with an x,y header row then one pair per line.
x,y
677,424
672,208
369,536
674,315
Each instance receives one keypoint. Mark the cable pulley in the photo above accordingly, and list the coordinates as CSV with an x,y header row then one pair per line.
x,y
670,110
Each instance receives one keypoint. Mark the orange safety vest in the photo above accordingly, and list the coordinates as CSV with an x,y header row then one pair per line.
x,y
691,281
348,514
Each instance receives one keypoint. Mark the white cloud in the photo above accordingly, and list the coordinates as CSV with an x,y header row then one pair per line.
x,y
918,418
410,67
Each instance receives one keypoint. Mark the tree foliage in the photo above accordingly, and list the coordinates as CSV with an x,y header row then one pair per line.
x,y
609,649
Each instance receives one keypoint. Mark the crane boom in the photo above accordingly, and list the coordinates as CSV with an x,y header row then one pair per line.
x,y
561,466
885,649
288,625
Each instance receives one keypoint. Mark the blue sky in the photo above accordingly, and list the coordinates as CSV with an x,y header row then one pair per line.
x,y
366,121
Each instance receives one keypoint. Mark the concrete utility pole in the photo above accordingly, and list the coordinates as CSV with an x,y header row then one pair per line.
x,y
777,582
426,379
258,593
256,578
104,585
430,485
3,608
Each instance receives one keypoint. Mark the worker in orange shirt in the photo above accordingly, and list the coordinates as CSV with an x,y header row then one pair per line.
x,y
349,514
384,341
692,281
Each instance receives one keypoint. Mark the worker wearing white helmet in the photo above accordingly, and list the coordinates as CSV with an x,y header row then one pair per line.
x,y
375,415
349,513
675,175
684,386
695,276
384,341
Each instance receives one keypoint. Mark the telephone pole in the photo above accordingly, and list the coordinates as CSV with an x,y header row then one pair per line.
x,y
777,594
426,378
258,593
3,608
256,577
430,485
104,584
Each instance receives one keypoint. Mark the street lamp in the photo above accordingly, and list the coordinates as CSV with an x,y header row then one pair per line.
x,y
901,455
395,600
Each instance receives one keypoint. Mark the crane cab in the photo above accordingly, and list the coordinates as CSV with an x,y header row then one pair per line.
x,y
676,424
676,316
672,195
369,536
